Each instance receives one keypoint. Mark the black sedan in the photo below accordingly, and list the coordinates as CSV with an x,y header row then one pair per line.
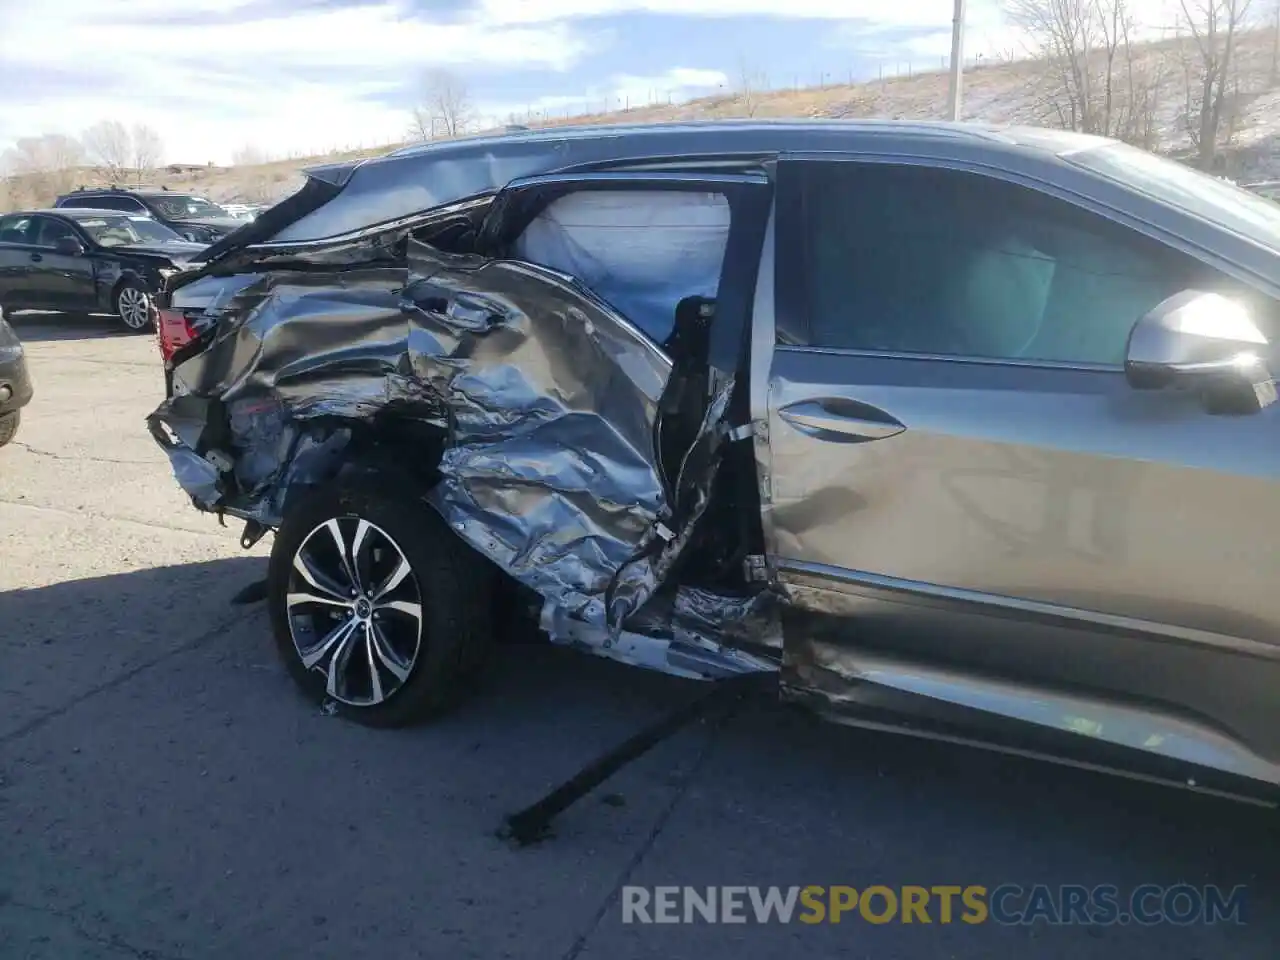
x,y
88,261
15,384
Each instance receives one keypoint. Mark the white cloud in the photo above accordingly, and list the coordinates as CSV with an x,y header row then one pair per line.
x,y
986,33
215,75
882,34
291,82
901,11
676,84
619,91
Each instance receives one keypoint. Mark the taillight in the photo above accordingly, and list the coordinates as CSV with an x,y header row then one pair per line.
x,y
174,332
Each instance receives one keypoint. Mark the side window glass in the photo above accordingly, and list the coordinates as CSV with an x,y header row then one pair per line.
x,y
643,251
127,204
50,231
918,260
14,229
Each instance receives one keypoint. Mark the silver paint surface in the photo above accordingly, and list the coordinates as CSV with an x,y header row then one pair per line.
x,y
1045,530
548,394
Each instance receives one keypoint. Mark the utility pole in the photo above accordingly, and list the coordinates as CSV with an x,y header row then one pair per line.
x,y
957,60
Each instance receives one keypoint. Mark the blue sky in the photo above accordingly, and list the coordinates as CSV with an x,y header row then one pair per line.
x,y
302,76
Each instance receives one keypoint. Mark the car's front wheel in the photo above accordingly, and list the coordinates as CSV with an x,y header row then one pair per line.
x,y
133,306
376,606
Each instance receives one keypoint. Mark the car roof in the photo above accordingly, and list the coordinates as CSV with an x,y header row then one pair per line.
x,y
1038,138
75,213
427,176
128,191
351,198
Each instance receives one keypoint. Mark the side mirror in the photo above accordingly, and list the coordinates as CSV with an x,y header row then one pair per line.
x,y
1206,341
69,247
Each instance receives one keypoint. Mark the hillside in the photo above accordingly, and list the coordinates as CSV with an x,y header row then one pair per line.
x,y
1160,74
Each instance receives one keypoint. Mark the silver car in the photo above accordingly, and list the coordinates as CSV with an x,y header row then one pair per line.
x,y
963,431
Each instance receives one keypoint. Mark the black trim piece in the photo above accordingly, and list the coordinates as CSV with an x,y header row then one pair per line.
x,y
791,292
730,344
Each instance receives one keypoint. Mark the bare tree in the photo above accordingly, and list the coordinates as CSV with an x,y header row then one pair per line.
x,y
751,85
61,152
39,168
1088,73
146,149
1145,78
110,147
445,107
1208,65
421,126
1076,42
1273,77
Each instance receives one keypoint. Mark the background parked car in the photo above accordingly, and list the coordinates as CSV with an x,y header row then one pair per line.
x,y
243,211
194,218
91,261
1265,188
15,384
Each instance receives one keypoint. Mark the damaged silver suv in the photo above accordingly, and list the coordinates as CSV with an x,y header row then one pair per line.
x,y
967,431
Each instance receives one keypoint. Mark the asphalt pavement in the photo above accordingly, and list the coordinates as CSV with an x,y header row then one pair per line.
x,y
165,794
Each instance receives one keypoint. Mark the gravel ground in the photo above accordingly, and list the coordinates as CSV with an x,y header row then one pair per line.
x,y
165,794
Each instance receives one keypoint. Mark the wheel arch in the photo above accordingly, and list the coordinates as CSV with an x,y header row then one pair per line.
x,y
399,452
130,275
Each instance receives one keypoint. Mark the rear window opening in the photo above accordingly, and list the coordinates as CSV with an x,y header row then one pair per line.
x,y
642,251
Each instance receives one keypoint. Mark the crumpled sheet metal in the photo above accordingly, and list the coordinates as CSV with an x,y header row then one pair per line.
x,y
705,618
549,395
321,344
550,470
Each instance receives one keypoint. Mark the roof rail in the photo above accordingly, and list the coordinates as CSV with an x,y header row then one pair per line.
x,y
122,186
84,188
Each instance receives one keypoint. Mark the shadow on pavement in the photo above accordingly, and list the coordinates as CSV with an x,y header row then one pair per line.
x,y
44,327
165,788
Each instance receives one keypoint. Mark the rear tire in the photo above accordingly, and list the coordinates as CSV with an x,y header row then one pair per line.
x,y
133,306
9,426
420,626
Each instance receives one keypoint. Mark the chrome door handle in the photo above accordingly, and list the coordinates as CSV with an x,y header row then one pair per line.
x,y
841,420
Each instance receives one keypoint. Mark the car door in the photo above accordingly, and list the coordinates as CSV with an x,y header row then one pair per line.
x,y
15,260
57,281
975,516
71,278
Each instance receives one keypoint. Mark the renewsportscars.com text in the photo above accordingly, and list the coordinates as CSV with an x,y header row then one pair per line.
x,y
1007,904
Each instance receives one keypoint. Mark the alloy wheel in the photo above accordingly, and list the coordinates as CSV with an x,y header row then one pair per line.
x,y
133,307
355,610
